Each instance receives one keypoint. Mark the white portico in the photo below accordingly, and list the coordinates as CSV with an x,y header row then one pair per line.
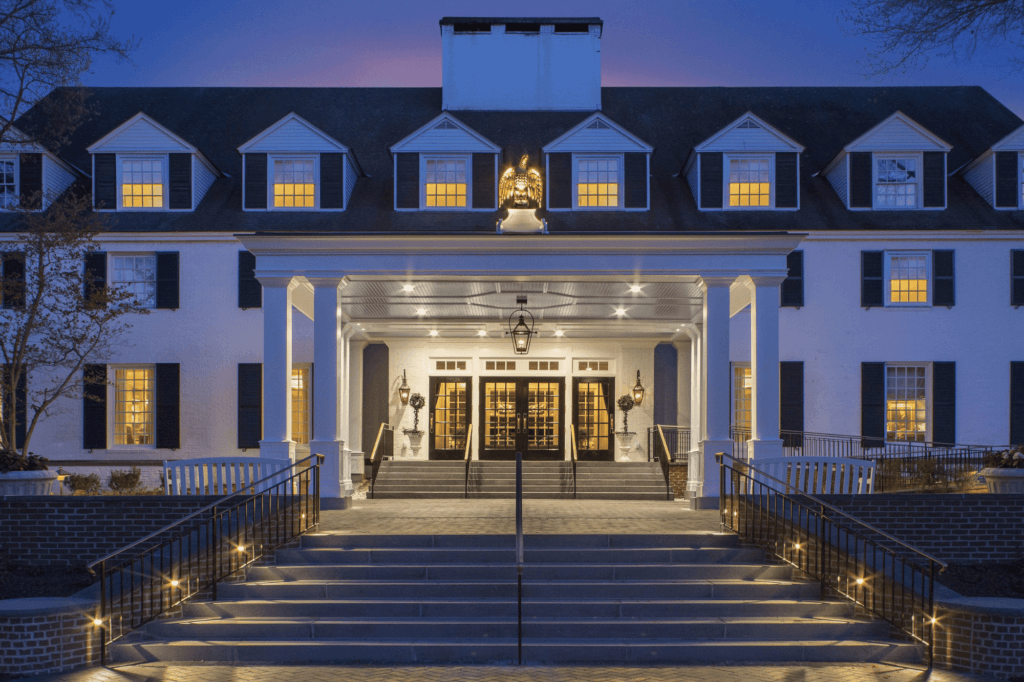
x,y
596,288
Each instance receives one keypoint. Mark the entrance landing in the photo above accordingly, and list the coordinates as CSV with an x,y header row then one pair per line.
x,y
489,517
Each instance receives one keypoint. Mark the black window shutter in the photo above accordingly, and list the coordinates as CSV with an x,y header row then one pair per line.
x,y
871,289
13,292
791,402
250,404
167,280
94,407
785,180
1017,278
332,181
934,180
559,180
483,180
944,402
31,179
635,177
104,181
21,410
793,285
179,178
168,416
256,181
711,180
250,291
407,181
95,274
872,404
860,180
943,284
1017,403
1007,191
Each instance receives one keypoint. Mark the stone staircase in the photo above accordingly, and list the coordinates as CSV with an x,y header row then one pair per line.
x,y
681,598
422,479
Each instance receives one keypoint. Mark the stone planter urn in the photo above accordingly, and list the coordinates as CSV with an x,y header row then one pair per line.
x,y
1004,481
415,441
625,440
27,483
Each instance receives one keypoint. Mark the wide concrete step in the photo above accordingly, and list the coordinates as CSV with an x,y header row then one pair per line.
x,y
674,541
409,556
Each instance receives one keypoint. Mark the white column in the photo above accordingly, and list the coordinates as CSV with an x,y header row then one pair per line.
x,y
355,408
277,368
327,386
716,377
695,470
346,406
683,408
764,367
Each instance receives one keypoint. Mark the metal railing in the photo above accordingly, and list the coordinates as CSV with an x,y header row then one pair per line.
x,y
881,574
664,456
469,454
519,546
676,437
138,582
383,448
574,456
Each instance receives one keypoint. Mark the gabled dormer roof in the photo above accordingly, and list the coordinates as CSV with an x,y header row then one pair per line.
x,y
20,143
1014,142
293,134
142,134
597,133
897,133
749,133
445,133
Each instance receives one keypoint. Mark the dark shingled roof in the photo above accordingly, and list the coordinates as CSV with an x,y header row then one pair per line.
x,y
370,120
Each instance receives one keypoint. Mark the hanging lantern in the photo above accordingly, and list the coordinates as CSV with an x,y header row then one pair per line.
x,y
403,390
523,331
638,390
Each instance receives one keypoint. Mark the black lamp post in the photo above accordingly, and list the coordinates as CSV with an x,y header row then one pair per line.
x,y
522,333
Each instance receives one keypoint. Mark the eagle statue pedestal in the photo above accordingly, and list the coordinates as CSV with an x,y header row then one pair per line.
x,y
522,186
522,221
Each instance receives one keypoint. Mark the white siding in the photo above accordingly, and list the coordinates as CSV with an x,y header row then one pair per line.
x,y
748,139
202,178
895,135
693,179
980,178
1013,142
56,178
596,140
294,136
141,136
351,175
444,140
837,178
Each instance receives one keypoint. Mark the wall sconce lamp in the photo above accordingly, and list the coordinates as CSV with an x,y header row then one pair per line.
x,y
404,390
638,390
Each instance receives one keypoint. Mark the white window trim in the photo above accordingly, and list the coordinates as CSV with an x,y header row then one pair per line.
x,y
918,182
887,278
468,158
17,172
271,158
726,158
110,276
733,366
164,172
621,158
927,399
112,407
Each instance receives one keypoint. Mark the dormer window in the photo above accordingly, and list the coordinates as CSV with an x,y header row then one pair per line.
x,y
597,181
142,182
294,182
750,182
445,181
8,182
896,182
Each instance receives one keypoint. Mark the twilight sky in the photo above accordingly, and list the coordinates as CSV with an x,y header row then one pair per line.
x,y
397,43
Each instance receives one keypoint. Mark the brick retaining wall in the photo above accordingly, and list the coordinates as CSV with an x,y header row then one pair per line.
x,y
677,474
981,636
47,635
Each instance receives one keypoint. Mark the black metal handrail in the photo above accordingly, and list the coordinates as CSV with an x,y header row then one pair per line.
x,y
665,458
574,458
383,448
138,585
881,574
468,456
677,437
519,546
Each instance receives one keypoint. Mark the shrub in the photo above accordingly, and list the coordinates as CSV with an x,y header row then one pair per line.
x,y
123,482
81,484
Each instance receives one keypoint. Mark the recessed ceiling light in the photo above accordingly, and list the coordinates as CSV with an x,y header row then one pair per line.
x,y
421,311
433,332
620,311
481,332
559,332
407,287
636,288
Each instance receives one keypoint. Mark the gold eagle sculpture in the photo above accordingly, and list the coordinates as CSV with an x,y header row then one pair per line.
x,y
520,184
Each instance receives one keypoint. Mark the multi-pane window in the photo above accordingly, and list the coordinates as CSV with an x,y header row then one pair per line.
x,y
742,397
895,183
8,184
137,275
597,182
294,185
134,405
750,182
300,405
908,279
142,183
445,183
906,414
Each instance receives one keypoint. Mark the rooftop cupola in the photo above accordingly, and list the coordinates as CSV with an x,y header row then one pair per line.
x,y
521,63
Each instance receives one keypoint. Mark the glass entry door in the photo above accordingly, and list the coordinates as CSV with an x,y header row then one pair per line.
x,y
594,418
450,398
522,415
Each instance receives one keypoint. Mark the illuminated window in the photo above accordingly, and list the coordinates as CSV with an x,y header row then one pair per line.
x,y
906,414
908,279
750,182
597,182
142,183
300,404
134,405
137,275
742,397
895,183
445,183
294,183
8,183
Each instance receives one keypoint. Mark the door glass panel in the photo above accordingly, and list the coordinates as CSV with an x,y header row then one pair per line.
x,y
592,420
451,414
500,415
542,413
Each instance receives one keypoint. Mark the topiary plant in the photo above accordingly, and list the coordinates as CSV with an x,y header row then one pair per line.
x,y
416,402
626,403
